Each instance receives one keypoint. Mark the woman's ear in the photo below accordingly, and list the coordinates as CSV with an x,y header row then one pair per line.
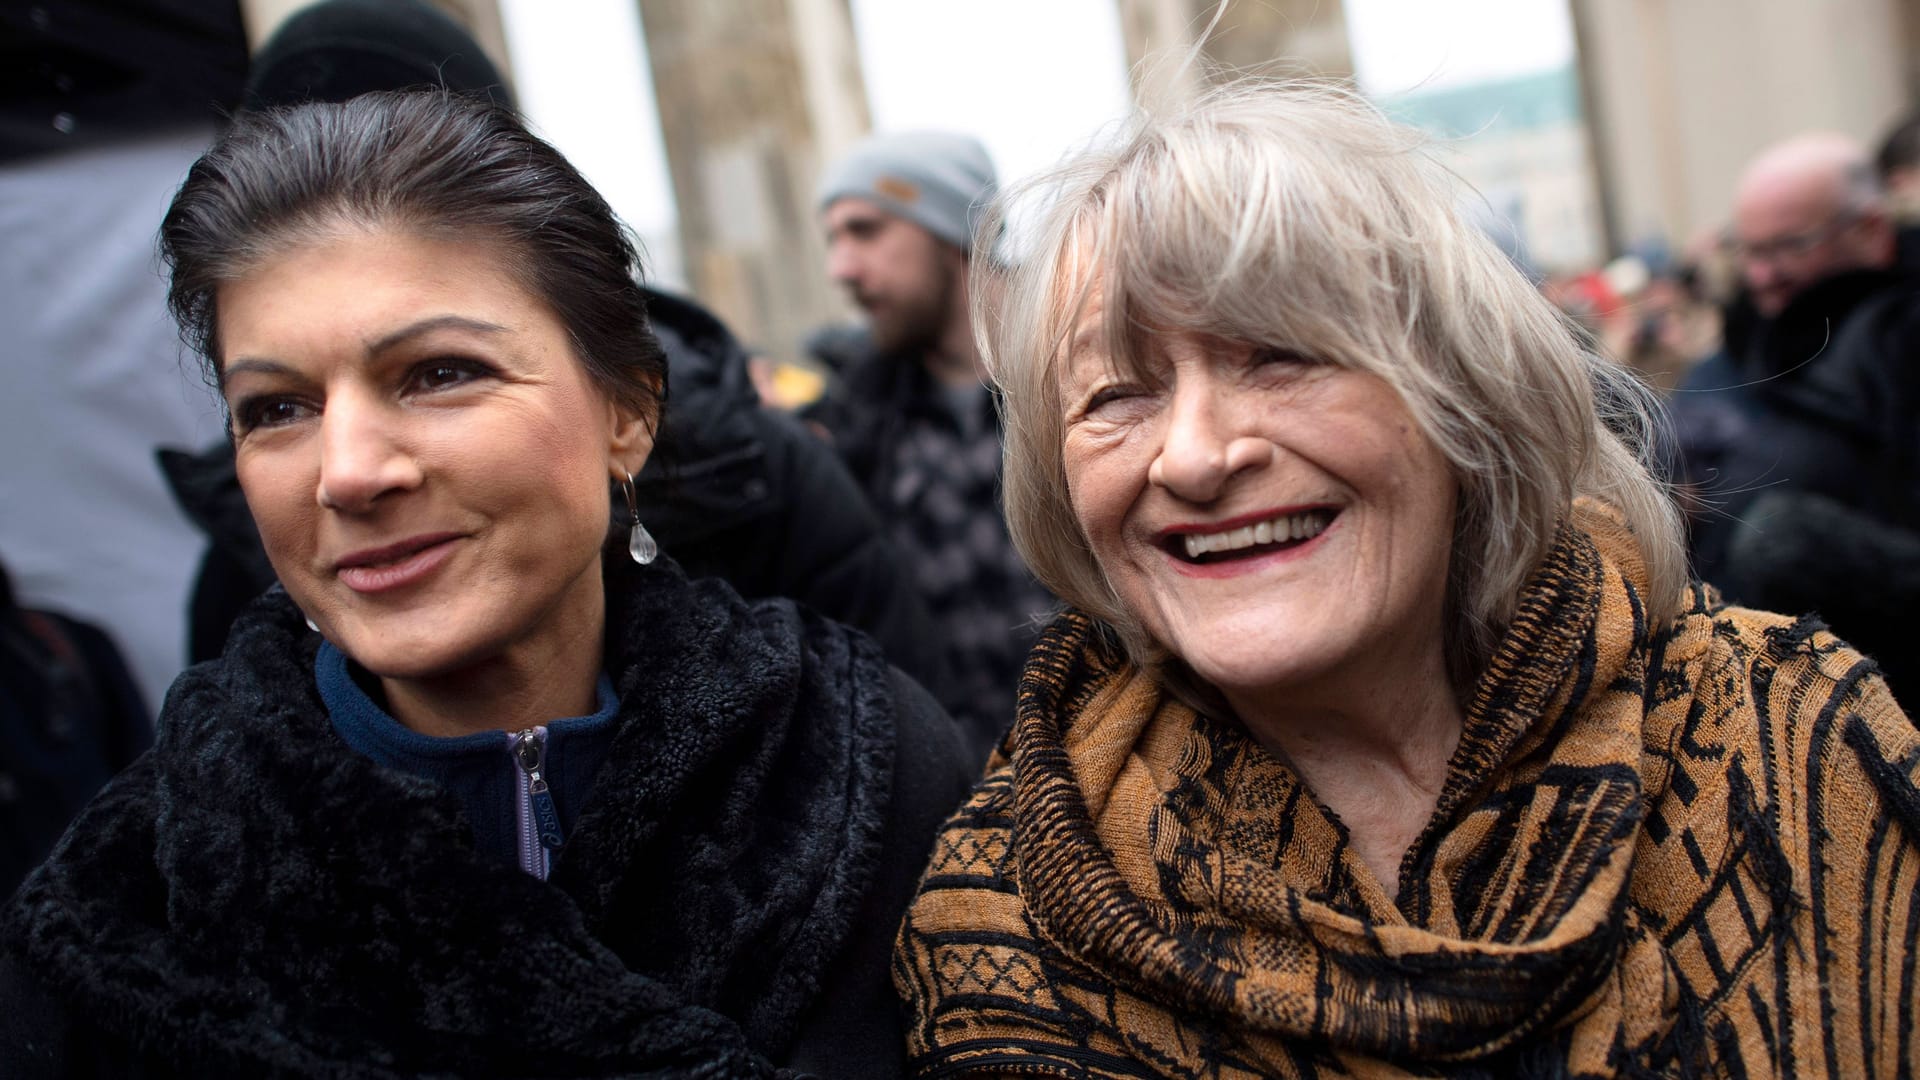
x,y
632,437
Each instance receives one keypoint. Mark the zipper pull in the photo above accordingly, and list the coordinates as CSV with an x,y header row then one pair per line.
x,y
530,753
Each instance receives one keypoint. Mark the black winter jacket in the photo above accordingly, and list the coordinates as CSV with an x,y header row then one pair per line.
x,y
253,898
1812,495
929,462
732,490
70,717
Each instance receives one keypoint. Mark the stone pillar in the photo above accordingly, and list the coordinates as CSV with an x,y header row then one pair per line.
x,y
1303,37
1682,93
755,96
480,17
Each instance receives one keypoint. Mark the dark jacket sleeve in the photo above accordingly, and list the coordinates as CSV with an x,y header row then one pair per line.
x,y
822,544
33,1028
857,1016
41,1039
1805,552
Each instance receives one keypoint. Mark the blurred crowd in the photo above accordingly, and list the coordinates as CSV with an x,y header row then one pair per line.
x,y
1785,341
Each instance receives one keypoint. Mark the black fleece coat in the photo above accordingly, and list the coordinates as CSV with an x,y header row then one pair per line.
x,y
253,898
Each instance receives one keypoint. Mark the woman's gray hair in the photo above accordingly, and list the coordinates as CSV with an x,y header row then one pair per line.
x,y
1297,216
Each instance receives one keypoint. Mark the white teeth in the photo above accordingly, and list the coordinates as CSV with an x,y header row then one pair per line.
x,y
1303,526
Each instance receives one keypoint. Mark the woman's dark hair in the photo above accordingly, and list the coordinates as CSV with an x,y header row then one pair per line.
x,y
430,163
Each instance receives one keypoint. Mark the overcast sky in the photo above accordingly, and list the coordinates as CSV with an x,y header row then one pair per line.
x,y
1399,45
1032,78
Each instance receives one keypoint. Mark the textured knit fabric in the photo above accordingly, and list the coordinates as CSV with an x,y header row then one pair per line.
x,y
254,898
1685,850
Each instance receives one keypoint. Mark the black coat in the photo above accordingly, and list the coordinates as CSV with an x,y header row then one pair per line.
x,y
253,898
1812,489
930,465
70,717
748,494
733,491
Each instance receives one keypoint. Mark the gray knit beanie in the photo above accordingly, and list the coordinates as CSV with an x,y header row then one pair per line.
x,y
938,181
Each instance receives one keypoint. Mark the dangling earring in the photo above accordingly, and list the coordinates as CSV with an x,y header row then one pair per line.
x,y
640,543
311,625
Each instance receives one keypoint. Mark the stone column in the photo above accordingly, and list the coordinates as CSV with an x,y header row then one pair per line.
x,y
1303,37
755,95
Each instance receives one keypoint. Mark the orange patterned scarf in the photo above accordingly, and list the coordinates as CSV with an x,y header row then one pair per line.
x,y
1690,852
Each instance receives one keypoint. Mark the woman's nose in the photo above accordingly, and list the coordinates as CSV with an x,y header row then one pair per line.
x,y
361,456
1204,447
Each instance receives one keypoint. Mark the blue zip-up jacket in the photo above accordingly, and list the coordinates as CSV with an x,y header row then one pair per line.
x,y
482,770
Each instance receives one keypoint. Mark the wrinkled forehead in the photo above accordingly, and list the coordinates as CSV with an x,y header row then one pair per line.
x,y
1098,321
1132,345
1117,306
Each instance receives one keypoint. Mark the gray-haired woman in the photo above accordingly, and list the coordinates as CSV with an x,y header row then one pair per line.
x,y
478,793
1384,734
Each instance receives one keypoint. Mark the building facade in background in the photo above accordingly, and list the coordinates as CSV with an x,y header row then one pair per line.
x,y
1522,143
1635,148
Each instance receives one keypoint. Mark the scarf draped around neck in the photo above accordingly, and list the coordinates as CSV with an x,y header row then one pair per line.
x,y
1684,850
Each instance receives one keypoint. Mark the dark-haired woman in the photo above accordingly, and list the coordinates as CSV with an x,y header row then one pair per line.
x,y
476,793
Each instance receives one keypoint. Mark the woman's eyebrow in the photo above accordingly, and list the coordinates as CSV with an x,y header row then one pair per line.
x,y
255,365
427,326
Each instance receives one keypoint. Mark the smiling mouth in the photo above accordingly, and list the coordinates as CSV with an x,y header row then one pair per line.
x,y
379,569
393,553
1246,541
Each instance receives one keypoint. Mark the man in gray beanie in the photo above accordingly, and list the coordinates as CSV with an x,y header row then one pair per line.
x,y
899,213
912,416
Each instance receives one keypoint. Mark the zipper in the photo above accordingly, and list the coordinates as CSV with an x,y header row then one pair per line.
x,y
539,821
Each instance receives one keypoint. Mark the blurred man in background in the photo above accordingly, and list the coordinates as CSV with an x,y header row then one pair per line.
x,y
1898,162
913,417
1803,451
1806,210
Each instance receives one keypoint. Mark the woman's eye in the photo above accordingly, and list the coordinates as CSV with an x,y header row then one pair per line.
x,y
267,412
1272,354
1111,394
446,373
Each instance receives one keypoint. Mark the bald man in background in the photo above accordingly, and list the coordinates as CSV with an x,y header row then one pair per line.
x,y
1806,210
1801,444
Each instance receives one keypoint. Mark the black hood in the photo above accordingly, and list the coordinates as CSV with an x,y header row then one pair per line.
x,y
78,73
340,49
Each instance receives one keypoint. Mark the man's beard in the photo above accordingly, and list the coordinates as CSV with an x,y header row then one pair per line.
x,y
915,323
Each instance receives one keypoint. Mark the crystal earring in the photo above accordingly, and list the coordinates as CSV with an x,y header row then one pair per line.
x,y
640,543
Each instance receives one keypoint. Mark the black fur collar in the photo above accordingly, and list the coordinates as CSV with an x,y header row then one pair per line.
x,y
256,897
